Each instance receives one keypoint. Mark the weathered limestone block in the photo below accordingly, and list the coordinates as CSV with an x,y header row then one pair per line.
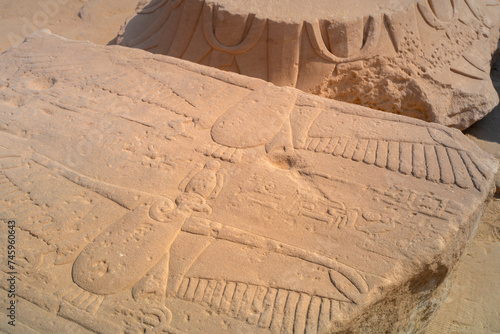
x,y
486,133
151,194
428,59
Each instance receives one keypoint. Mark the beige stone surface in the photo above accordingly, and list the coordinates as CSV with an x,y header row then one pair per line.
x,y
472,305
150,192
428,59
94,20
486,133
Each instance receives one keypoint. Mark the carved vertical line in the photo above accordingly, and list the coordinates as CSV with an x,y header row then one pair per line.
x,y
324,316
313,315
257,305
181,292
474,173
447,176
432,163
200,291
349,149
227,297
193,284
405,158
268,307
419,168
290,309
279,311
191,14
299,326
391,31
331,145
360,151
340,148
322,145
382,152
209,291
371,152
237,298
462,177
393,156
217,295
313,144
94,307
247,302
479,165
334,309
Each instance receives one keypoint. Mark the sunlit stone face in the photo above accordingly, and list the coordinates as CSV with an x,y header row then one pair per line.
x,y
299,10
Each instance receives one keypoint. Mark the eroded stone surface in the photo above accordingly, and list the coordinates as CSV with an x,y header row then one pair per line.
x,y
150,192
471,306
486,133
428,59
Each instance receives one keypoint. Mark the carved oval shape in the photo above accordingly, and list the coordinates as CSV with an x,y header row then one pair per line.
x,y
255,120
120,256
346,285
484,17
438,14
444,10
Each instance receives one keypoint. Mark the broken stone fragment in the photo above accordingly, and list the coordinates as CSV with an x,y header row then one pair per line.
x,y
154,194
428,59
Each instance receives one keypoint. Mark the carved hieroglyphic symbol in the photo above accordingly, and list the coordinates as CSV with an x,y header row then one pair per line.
x,y
367,45
144,234
438,14
130,256
353,291
247,42
428,204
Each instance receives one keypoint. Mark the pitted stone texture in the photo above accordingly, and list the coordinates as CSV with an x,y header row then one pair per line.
x,y
427,59
154,194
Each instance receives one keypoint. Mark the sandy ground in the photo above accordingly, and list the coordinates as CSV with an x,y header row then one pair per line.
x,y
472,305
94,20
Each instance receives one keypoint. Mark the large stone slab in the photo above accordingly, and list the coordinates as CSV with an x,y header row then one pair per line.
x,y
486,133
428,59
153,194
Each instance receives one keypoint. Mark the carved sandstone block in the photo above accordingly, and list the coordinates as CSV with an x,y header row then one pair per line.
x,y
428,59
151,194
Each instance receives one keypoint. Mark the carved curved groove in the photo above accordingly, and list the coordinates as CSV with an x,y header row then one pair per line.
x,y
431,18
246,45
316,38
153,29
479,14
153,6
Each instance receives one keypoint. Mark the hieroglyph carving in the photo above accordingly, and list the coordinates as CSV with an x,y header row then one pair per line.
x,y
208,201
428,59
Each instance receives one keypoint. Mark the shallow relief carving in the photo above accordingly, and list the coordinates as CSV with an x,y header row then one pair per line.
x,y
314,202
373,59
